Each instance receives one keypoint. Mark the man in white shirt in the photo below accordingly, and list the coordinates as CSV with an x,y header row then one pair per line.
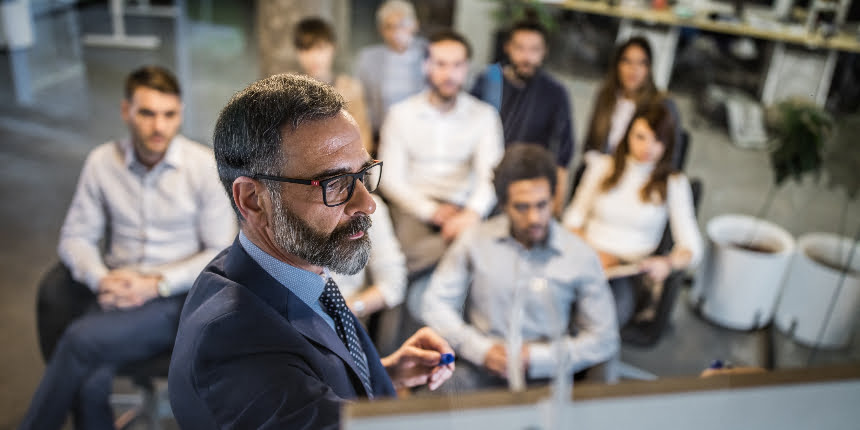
x,y
154,199
522,262
441,146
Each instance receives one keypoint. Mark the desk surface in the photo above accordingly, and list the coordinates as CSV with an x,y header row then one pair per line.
x,y
764,30
594,392
824,398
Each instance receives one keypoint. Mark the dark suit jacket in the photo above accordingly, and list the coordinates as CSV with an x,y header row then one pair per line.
x,y
250,354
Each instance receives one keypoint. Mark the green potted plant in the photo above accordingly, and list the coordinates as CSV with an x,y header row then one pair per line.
x,y
822,288
801,131
508,12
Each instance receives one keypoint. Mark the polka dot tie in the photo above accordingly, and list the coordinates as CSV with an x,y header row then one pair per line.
x,y
336,307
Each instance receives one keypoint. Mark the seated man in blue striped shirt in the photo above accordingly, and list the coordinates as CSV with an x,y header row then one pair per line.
x,y
522,260
154,198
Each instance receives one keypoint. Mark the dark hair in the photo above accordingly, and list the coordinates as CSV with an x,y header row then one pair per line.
x,y
311,31
523,161
251,128
156,77
527,25
607,96
661,122
447,35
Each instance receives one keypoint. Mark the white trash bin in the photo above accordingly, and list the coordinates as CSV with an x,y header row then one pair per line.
x,y
810,287
738,288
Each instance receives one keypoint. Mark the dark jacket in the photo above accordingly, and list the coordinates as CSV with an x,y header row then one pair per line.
x,y
250,354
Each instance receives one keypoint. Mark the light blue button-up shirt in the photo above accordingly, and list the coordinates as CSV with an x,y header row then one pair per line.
x,y
171,220
480,274
308,286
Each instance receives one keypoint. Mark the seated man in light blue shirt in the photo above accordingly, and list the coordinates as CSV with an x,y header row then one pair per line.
x,y
472,296
154,198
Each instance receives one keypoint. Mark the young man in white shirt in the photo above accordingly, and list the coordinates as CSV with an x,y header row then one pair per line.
x,y
155,200
441,145
524,253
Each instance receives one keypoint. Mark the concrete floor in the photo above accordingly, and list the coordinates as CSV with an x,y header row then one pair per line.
x,y
43,147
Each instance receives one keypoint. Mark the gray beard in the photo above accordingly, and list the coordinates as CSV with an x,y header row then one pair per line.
x,y
335,251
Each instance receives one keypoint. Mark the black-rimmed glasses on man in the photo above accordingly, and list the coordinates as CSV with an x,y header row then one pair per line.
x,y
337,189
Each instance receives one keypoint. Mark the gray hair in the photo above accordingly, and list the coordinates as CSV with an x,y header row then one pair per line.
x,y
249,131
390,7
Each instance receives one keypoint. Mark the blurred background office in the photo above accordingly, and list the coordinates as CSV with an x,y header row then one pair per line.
x,y
725,64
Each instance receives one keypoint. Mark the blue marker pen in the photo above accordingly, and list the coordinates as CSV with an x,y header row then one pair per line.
x,y
719,364
446,359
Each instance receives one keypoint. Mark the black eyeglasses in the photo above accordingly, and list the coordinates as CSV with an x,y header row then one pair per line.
x,y
337,190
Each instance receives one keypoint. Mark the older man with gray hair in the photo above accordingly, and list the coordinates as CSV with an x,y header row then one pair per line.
x,y
266,339
391,71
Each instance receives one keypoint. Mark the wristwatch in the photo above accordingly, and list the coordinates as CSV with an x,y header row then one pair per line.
x,y
358,307
163,288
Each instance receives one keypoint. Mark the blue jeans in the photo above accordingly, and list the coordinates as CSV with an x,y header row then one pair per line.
x,y
79,375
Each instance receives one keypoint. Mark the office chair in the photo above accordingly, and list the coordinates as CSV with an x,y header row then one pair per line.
x,y
150,404
57,306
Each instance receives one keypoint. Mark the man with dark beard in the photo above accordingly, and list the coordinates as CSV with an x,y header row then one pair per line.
x,y
265,338
534,106
440,147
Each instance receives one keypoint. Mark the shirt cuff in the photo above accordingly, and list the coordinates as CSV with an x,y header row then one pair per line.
x,y
541,360
481,207
391,296
475,349
94,278
572,218
425,210
175,280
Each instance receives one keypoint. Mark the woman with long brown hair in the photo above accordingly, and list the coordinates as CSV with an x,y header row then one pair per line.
x,y
628,86
624,201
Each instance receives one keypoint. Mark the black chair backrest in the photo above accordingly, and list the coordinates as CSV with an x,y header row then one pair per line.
x,y
681,149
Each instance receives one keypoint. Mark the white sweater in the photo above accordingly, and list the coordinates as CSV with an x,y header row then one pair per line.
x,y
432,156
618,222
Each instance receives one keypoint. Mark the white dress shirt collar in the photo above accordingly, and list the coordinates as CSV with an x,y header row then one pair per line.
x,y
459,108
172,158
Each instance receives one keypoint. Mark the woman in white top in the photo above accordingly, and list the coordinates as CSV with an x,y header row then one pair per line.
x,y
628,85
624,201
